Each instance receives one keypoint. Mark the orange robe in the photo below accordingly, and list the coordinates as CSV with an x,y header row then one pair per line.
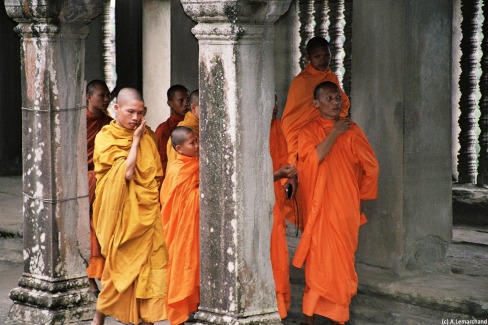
x,y
347,174
180,215
190,121
94,124
299,111
163,133
279,248
127,220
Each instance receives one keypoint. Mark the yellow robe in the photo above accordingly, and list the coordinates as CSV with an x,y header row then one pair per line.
x,y
193,123
127,220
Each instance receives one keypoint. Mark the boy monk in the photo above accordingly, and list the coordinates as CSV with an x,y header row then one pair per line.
x,y
97,100
180,214
279,248
344,165
177,102
127,217
192,120
299,111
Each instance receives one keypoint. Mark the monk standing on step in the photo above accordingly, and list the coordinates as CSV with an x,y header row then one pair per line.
x,y
127,217
340,159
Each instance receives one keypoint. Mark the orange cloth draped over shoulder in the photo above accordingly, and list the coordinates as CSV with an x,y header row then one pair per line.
x,y
299,111
347,175
163,133
127,220
94,124
180,215
190,121
279,248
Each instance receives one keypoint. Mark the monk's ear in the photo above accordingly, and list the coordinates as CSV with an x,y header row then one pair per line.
x,y
116,107
307,56
316,103
178,148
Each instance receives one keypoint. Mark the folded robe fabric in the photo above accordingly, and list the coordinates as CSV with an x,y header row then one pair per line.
x,y
279,248
299,111
190,121
347,174
180,215
127,219
94,124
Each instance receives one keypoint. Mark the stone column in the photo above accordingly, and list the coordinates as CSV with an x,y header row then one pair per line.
x,y
53,288
236,97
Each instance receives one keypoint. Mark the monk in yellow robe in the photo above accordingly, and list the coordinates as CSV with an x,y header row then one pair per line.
x,y
97,99
339,157
180,215
178,104
192,120
279,248
127,217
299,111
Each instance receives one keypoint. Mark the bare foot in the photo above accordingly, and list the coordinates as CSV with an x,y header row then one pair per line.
x,y
98,319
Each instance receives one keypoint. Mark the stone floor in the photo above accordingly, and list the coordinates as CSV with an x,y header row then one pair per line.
x,y
382,299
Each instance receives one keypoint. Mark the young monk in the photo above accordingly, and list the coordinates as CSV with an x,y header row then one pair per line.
x,y
127,217
299,111
344,165
192,120
97,100
180,214
279,248
177,102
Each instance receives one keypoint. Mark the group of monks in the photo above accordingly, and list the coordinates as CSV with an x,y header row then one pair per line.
x,y
144,198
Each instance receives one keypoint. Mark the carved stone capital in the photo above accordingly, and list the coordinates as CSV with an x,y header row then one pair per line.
x,y
233,18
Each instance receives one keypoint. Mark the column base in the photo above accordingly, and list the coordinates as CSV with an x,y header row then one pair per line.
x,y
210,317
37,301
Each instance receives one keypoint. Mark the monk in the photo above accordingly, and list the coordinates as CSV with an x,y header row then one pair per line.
x,y
97,101
279,248
192,120
339,157
177,102
299,111
180,215
127,217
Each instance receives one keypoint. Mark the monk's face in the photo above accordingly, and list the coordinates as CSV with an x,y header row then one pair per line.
x,y
190,147
179,103
129,114
329,103
99,99
319,58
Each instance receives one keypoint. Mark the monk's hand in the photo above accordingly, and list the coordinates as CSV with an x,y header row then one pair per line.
x,y
286,171
342,126
140,129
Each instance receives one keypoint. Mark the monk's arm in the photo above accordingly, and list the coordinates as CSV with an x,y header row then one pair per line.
x,y
324,147
132,156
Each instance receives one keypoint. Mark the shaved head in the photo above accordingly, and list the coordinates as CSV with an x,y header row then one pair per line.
x,y
315,43
128,94
174,89
324,85
194,97
92,85
179,135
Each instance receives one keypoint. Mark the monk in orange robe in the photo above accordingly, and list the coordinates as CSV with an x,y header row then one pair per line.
x,y
192,120
339,157
97,99
178,104
279,248
180,215
299,111
127,217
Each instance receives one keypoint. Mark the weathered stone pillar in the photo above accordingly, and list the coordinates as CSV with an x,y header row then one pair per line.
x,y
53,288
236,97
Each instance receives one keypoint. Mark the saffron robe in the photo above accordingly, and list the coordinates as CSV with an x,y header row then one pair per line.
x,y
190,121
299,111
127,220
279,248
163,133
94,124
180,215
347,175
